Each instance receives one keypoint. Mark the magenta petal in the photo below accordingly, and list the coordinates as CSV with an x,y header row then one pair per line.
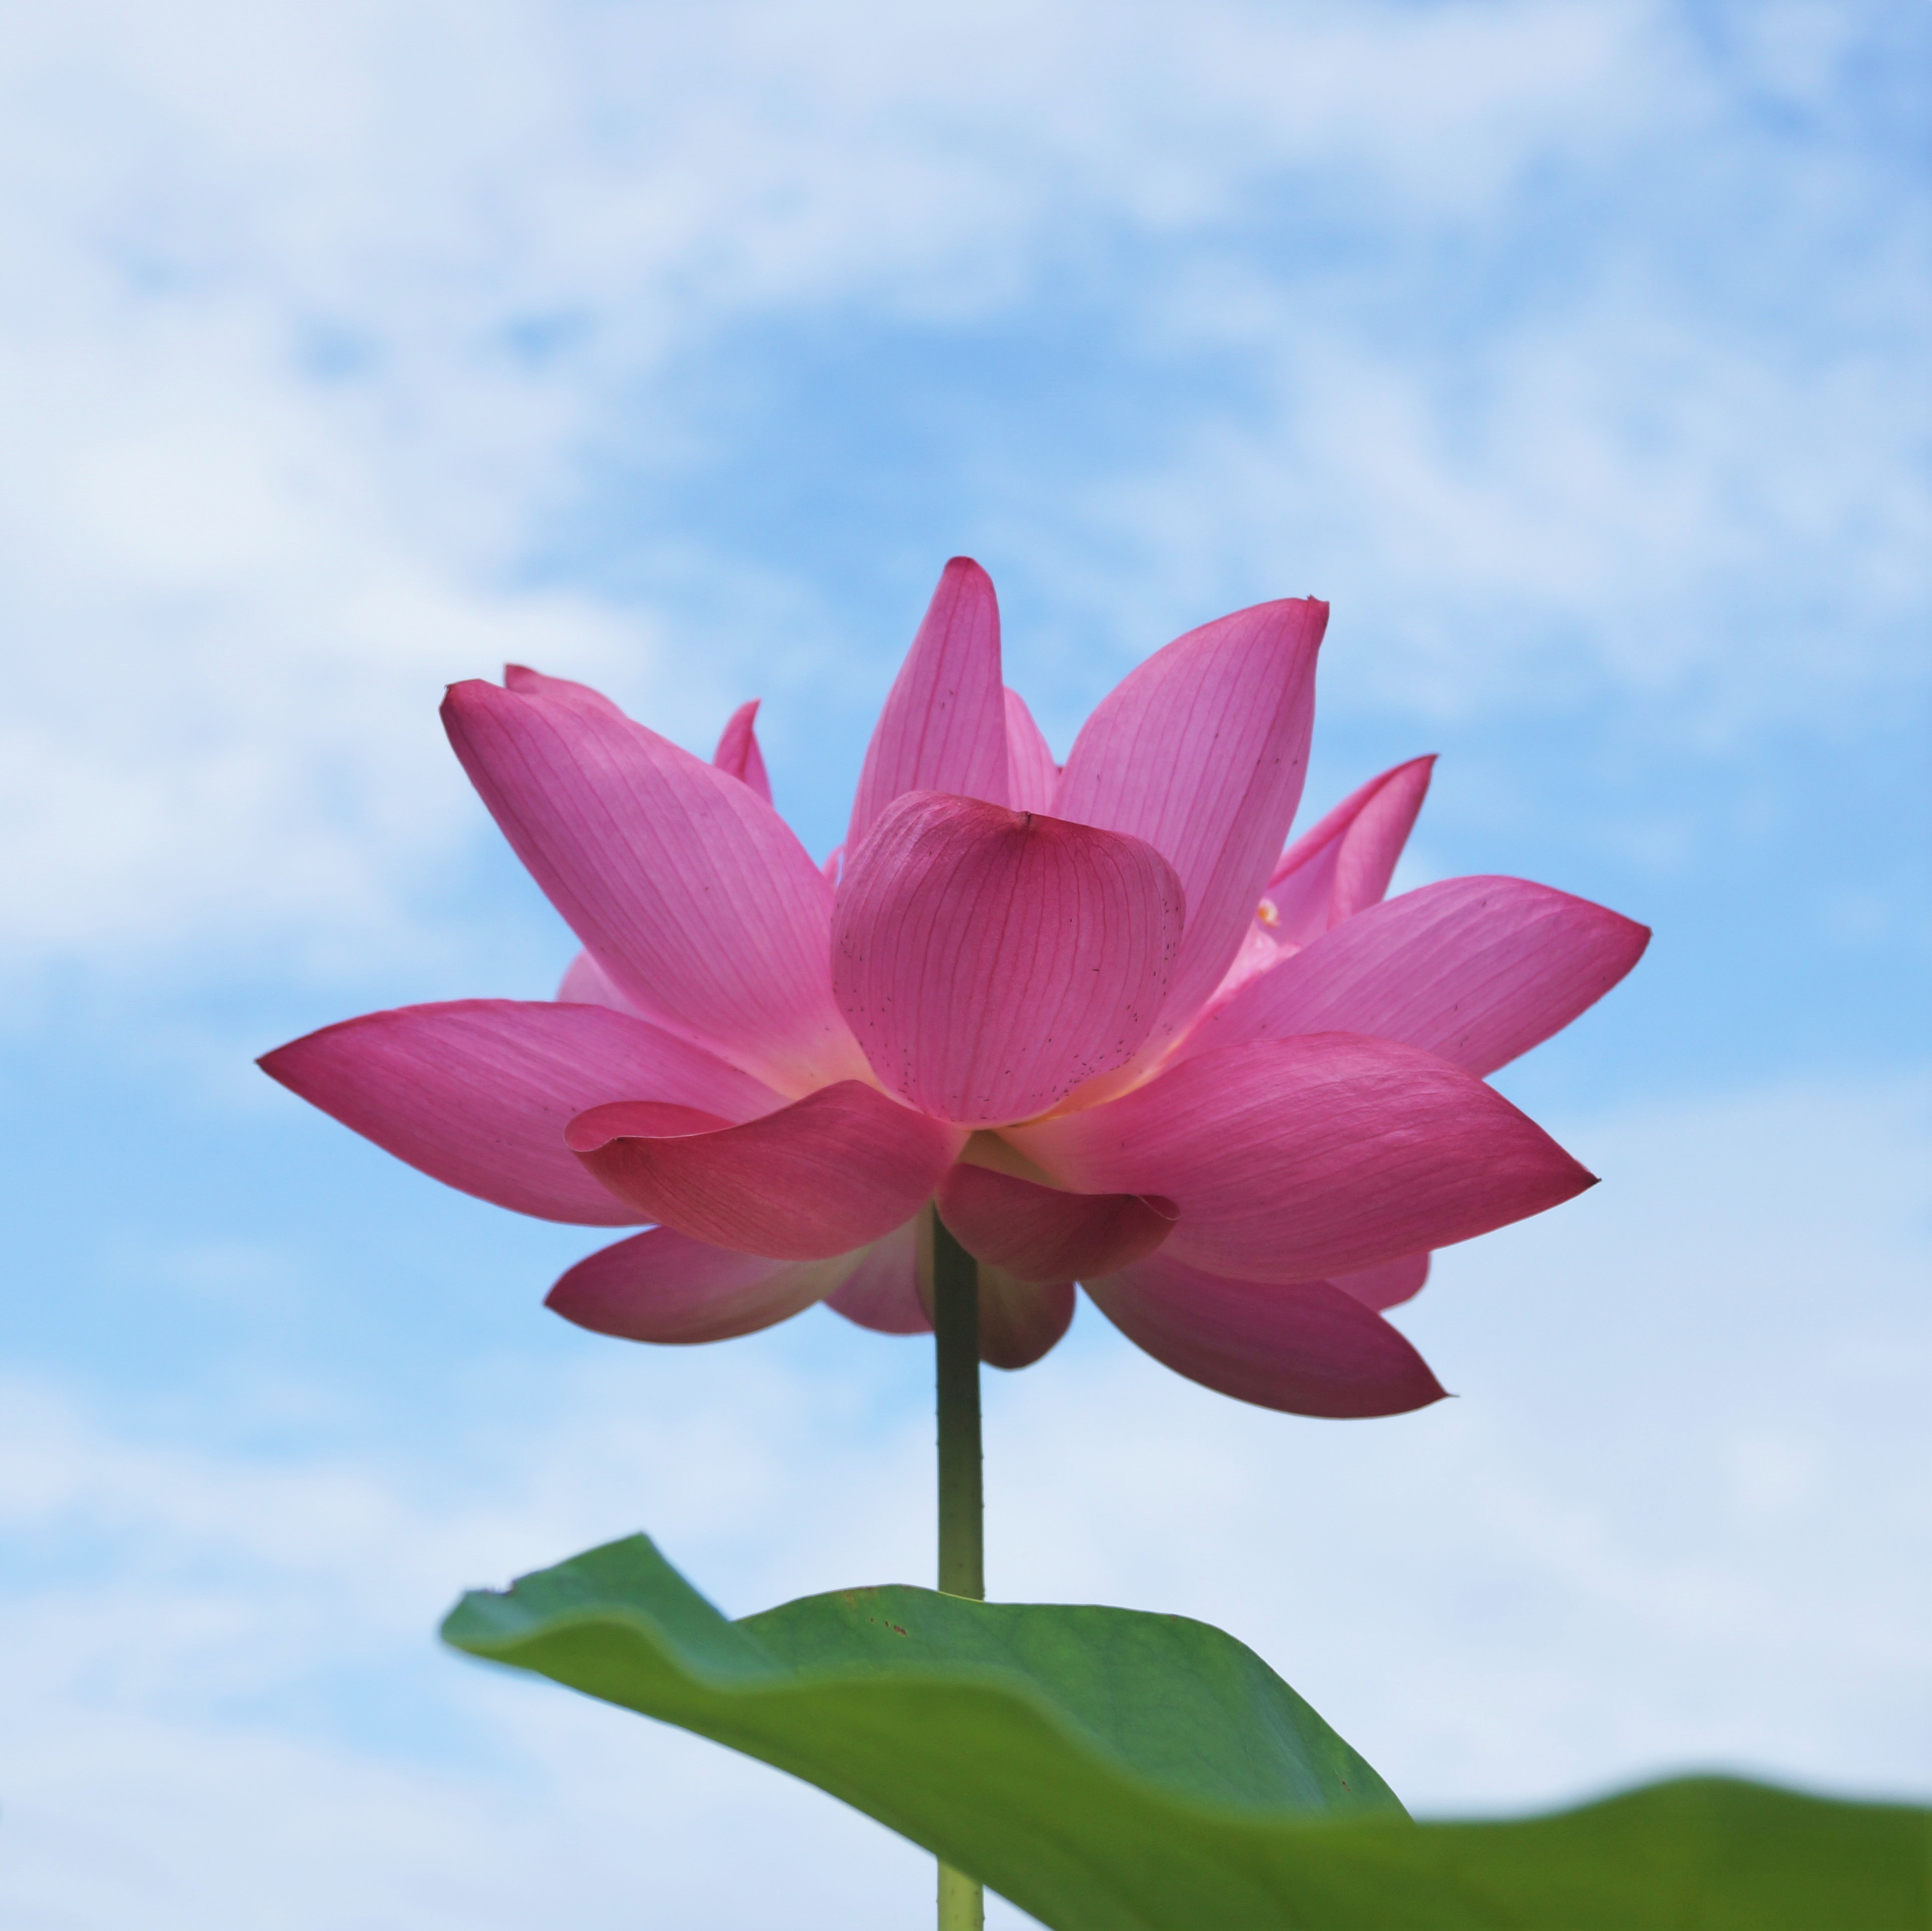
x,y
1296,1159
1307,1349
738,752
1201,751
1032,776
1344,864
943,728
1388,1286
1045,1234
690,892
882,1290
477,1092
661,1286
989,961
1474,970
832,1172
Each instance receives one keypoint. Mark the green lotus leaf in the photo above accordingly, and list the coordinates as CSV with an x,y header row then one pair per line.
x,y
1107,1770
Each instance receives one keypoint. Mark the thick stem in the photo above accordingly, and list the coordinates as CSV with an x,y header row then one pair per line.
x,y
956,1328
962,1559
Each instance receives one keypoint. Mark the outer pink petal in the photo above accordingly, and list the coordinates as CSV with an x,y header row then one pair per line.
x,y
1344,864
1307,1349
477,1092
1296,1159
1475,970
882,1290
989,961
1201,751
832,1172
738,752
1045,1234
661,1286
1388,1286
1032,776
687,888
943,728
528,683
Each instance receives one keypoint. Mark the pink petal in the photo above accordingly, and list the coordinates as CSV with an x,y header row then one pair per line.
x,y
1474,970
585,982
689,890
1296,1159
661,1286
989,961
1020,1321
1306,1349
944,727
882,1290
1346,862
477,1092
738,752
1045,1234
832,1172
1388,1286
528,683
1032,776
1201,751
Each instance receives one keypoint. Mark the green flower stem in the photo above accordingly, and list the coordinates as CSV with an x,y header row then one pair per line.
x,y
962,1550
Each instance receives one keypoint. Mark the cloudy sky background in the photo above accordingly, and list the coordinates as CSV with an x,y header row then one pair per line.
x,y
1575,353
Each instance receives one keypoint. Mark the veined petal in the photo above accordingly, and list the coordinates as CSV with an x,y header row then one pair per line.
x,y
1045,1234
738,752
1296,1159
1393,1282
1307,1349
882,1290
1032,776
686,887
989,961
476,1092
1475,970
833,1171
1201,751
944,725
663,1287
1345,863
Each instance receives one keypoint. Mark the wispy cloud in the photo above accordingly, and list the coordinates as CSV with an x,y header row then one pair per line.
x,y
1562,344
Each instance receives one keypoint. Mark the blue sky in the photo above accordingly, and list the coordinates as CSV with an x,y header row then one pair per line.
x,y
1574,353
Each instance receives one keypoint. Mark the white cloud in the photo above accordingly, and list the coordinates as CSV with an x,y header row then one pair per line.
x,y
319,318
1676,1518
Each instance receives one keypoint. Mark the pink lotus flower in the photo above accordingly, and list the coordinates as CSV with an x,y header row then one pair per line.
x,y
1087,1011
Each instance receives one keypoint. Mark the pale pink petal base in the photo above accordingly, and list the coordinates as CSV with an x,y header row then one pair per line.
x,y
830,1172
1021,1320
663,1287
882,1291
1308,1349
1045,1234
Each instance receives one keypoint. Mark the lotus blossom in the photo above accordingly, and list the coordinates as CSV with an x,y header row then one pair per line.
x,y
1094,1013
